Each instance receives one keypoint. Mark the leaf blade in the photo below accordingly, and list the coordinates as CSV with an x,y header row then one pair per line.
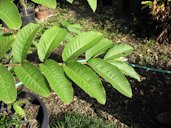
x,y
117,51
5,44
23,41
9,14
87,80
99,48
112,75
75,28
125,69
8,90
32,78
48,42
57,80
80,44
70,1
93,4
19,110
48,3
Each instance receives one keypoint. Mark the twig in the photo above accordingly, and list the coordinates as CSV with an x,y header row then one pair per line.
x,y
11,65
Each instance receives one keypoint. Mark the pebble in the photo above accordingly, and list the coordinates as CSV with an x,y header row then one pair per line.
x,y
141,92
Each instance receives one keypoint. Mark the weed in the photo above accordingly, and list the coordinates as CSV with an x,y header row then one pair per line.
x,y
74,120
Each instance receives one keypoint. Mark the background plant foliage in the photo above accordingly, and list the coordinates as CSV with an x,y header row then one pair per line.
x,y
10,15
161,12
50,75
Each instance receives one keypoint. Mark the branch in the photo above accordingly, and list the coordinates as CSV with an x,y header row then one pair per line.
x,y
37,64
11,65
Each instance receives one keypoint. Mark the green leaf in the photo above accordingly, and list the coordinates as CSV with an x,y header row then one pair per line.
x,y
74,28
149,3
8,91
48,3
65,24
19,110
23,41
87,80
112,75
5,44
93,4
9,14
70,1
49,41
125,69
69,37
117,51
32,78
122,59
99,48
80,44
57,80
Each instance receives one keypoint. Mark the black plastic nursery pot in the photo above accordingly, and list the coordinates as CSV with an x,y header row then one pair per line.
x,y
30,8
42,116
29,18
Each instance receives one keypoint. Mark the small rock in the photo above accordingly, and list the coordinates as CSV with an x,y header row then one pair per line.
x,y
161,93
141,92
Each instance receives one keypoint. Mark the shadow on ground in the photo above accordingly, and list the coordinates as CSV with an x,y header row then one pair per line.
x,y
150,97
137,22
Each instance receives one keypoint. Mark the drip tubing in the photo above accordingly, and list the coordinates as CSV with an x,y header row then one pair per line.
x,y
133,65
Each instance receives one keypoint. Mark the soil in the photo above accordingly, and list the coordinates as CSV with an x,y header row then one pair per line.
x,y
150,96
31,111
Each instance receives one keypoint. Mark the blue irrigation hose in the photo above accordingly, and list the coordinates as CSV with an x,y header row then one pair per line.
x,y
149,69
133,65
18,84
81,61
140,67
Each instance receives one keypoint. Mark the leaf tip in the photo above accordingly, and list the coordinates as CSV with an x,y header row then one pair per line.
x,y
130,95
103,102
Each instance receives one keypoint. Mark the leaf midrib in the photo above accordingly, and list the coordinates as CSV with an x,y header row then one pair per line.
x,y
75,73
1,13
89,56
110,79
54,77
51,44
25,46
74,55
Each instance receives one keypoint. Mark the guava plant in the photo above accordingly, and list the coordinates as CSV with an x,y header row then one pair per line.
x,y
10,15
49,75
